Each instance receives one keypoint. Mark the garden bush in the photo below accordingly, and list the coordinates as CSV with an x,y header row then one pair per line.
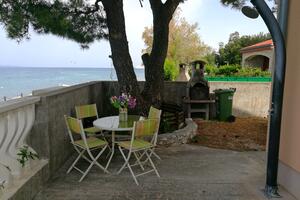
x,y
228,70
171,70
235,71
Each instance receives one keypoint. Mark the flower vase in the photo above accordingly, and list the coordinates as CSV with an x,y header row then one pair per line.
x,y
123,114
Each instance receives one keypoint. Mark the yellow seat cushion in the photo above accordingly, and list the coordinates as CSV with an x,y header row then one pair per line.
x,y
137,144
92,142
92,130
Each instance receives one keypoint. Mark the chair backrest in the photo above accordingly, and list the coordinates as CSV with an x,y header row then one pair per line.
x,y
86,111
74,126
154,113
145,128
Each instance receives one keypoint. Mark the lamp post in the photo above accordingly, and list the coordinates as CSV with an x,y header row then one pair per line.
x,y
271,188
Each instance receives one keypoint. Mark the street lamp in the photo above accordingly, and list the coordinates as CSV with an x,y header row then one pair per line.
x,y
262,9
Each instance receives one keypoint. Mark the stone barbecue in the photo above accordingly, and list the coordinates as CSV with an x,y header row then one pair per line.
x,y
197,91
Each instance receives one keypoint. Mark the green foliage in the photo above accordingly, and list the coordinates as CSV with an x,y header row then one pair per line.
x,y
171,70
230,53
76,20
234,3
253,72
238,4
185,44
210,70
210,58
25,154
235,71
228,70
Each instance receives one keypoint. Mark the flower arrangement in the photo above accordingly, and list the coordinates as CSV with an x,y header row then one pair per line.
x,y
122,103
125,100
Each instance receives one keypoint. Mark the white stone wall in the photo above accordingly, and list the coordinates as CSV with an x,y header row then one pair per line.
x,y
250,98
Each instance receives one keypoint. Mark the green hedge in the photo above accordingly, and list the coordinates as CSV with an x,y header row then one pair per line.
x,y
240,79
235,71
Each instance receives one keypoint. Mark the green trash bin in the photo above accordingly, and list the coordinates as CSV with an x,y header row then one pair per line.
x,y
224,98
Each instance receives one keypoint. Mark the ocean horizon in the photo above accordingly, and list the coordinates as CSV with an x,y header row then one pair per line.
x,y
17,80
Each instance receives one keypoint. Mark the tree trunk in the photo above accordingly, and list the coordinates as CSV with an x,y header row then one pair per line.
x,y
119,46
154,63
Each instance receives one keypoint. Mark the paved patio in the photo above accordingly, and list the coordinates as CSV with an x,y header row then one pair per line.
x,y
187,172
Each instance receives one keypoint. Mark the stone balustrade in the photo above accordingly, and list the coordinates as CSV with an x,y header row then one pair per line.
x,y
16,120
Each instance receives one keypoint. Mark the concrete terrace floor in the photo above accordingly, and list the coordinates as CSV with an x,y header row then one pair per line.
x,y
187,172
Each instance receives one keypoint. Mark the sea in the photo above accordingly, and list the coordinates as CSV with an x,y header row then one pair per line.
x,y
20,81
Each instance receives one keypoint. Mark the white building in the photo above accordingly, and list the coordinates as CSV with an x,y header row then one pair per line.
x,y
259,55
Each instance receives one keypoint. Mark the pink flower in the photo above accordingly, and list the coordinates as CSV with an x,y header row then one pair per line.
x,y
125,100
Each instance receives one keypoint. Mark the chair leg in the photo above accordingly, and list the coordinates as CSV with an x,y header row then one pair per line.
x,y
97,157
138,161
109,148
126,161
112,149
76,160
94,161
152,164
128,165
141,156
153,153
86,172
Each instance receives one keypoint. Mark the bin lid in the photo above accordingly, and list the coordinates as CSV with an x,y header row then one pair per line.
x,y
230,90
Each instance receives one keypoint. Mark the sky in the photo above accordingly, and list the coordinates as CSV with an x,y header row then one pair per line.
x,y
215,22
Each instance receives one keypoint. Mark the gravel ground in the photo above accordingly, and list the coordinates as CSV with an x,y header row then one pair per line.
x,y
242,135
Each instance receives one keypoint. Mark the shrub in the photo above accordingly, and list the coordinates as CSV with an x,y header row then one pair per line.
x,y
253,72
171,70
235,71
210,70
228,70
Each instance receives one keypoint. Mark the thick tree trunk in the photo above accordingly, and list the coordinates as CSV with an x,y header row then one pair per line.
x,y
119,46
154,63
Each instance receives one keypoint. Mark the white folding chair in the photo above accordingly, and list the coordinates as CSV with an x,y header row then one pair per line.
x,y
84,145
154,113
89,113
137,146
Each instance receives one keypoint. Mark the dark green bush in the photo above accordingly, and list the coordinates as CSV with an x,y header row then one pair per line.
x,y
211,70
228,70
235,71
171,70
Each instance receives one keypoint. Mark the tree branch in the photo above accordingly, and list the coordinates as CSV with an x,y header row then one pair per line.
x,y
90,10
170,6
155,5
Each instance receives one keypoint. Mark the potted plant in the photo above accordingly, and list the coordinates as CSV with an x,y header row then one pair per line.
x,y
123,102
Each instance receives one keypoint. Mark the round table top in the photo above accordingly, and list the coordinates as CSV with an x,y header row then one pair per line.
x,y
112,123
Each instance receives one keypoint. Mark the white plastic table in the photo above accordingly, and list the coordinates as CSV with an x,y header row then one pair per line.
x,y
113,124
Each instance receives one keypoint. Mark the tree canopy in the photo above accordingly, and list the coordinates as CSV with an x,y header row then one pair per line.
x,y
230,53
76,20
185,44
